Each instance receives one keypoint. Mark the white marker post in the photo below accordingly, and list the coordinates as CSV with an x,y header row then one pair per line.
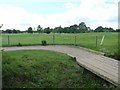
x,y
102,40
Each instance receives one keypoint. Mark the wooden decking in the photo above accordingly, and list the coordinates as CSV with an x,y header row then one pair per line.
x,y
102,66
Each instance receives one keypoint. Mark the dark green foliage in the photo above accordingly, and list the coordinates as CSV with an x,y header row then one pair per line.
x,y
11,31
58,30
44,42
47,30
30,30
117,30
101,29
8,31
19,44
82,27
74,29
39,29
15,31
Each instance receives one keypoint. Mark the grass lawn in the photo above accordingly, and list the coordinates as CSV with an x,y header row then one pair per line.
x,y
87,40
42,68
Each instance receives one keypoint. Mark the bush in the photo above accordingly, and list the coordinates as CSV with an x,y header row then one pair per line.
x,y
19,44
44,43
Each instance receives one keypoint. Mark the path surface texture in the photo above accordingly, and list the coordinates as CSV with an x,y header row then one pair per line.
x,y
102,66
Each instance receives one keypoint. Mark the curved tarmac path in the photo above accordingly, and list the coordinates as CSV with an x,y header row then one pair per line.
x,y
102,66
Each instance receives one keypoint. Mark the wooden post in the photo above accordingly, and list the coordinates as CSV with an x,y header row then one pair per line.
x,y
96,40
53,39
8,40
75,41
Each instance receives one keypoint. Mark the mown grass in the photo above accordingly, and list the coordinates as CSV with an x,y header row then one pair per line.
x,y
83,39
46,69
87,40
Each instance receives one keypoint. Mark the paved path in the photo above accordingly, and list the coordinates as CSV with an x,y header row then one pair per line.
x,y
102,66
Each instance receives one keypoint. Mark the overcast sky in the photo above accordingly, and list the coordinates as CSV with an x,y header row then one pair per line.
x,y
20,14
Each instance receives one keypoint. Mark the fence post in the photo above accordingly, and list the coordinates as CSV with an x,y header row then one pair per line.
x,y
8,40
53,39
102,40
96,40
75,41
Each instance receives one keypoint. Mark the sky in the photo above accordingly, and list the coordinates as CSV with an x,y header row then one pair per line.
x,y
21,14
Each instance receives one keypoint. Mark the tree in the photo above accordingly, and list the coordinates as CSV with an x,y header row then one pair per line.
x,y
82,27
117,30
99,29
47,30
74,29
18,31
90,30
3,31
39,29
108,29
58,29
30,30
8,31
66,30
14,31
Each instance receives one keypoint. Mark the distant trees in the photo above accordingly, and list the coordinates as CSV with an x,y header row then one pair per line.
x,y
109,29
80,28
83,28
15,31
8,31
101,29
74,29
11,31
89,29
47,30
58,30
66,30
39,29
30,30
117,30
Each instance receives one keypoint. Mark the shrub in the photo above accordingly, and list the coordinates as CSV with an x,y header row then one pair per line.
x,y
44,43
19,44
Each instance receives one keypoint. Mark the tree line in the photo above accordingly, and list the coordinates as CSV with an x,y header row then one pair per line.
x,y
81,28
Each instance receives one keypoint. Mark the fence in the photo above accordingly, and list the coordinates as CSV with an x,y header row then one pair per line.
x,y
35,39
